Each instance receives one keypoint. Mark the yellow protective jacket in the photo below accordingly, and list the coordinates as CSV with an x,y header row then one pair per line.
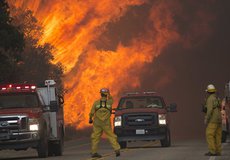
x,y
213,114
101,111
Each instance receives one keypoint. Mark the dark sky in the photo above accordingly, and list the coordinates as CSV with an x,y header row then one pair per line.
x,y
188,66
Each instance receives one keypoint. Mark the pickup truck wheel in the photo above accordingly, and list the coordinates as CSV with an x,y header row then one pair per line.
x,y
42,148
167,141
123,144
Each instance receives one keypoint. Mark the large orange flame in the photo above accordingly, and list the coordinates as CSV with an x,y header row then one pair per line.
x,y
73,27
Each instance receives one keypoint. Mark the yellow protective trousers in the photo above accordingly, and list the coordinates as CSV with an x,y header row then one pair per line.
x,y
97,133
213,137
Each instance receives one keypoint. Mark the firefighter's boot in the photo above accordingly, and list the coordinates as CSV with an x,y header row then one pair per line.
x,y
117,152
96,155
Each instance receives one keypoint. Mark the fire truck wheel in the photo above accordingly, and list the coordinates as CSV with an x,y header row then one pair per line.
x,y
167,141
123,144
50,149
42,148
59,146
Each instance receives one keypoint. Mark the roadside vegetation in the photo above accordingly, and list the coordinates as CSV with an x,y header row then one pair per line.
x,y
22,58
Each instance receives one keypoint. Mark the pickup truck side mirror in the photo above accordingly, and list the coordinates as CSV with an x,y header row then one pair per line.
x,y
113,111
172,107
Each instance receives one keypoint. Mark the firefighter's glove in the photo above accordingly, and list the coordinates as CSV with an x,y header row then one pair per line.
x,y
90,121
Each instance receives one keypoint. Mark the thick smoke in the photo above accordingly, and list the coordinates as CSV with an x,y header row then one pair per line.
x,y
192,67
184,68
204,61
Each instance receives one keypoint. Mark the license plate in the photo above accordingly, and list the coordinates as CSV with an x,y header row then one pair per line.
x,y
140,131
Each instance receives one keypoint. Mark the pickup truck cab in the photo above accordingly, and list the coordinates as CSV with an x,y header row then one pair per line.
x,y
142,116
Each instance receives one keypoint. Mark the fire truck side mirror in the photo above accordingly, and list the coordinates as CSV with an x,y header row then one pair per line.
x,y
61,99
53,106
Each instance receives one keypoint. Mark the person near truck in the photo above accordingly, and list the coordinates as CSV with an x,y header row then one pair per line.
x,y
100,117
213,122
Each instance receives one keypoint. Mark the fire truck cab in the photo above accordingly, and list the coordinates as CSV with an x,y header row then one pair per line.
x,y
32,117
143,117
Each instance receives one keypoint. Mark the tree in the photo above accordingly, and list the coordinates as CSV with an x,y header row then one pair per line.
x,y
22,59
11,44
11,37
36,65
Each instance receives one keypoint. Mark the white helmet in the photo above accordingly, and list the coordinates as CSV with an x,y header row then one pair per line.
x,y
211,88
104,90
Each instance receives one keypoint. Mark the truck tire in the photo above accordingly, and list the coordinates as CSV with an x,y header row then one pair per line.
x,y
167,141
123,144
56,147
59,145
224,137
50,149
42,148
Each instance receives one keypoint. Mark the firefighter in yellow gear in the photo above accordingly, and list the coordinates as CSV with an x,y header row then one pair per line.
x,y
213,121
100,117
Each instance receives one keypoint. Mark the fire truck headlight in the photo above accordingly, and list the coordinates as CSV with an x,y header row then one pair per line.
x,y
34,127
117,121
162,119
33,124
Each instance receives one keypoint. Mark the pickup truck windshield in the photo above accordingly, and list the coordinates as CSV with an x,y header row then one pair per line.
x,y
18,100
140,102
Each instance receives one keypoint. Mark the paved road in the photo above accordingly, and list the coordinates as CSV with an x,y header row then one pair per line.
x,y
79,150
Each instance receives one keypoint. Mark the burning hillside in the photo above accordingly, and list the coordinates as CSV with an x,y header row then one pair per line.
x,y
93,55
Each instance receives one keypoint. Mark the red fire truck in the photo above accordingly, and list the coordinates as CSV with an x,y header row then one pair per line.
x,y
32,117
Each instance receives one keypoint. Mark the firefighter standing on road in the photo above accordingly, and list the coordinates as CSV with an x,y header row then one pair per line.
x,y
101,112
213,122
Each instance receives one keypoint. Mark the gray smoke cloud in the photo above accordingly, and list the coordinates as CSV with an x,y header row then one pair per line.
x,y
184,68
205,60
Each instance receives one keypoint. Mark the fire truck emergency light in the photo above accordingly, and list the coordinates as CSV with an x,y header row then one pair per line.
x,y
33,87
18,87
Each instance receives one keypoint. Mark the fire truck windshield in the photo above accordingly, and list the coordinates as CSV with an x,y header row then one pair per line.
x,y
18,100
140,102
